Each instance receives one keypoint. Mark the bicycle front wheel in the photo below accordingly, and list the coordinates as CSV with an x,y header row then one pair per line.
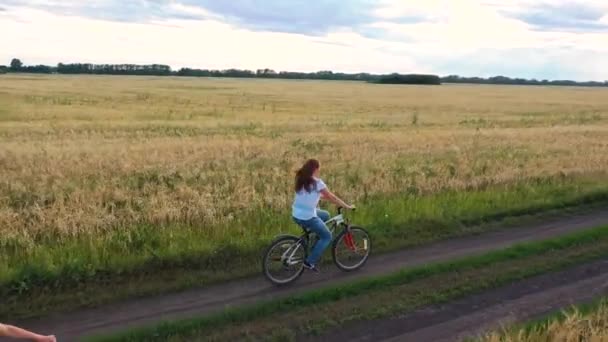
x,y
284,260
351,249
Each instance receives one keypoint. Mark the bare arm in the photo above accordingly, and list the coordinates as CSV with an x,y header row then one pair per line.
x,y
16,332
328,195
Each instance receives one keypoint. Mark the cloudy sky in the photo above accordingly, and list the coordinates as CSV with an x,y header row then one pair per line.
x,y
553,39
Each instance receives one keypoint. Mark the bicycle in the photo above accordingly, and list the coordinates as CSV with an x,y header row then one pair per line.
x,y
291,251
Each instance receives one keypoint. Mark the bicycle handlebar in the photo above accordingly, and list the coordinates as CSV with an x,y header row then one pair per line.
x,y
340,209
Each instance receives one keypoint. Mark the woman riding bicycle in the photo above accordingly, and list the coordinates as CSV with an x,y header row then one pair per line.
x,y
309,189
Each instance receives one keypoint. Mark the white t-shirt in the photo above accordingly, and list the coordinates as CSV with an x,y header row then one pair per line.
x,y
305,203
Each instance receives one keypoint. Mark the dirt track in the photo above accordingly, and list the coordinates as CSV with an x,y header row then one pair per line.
x,y
71,326
473,315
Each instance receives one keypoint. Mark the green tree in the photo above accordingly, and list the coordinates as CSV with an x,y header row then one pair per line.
x,y
16,64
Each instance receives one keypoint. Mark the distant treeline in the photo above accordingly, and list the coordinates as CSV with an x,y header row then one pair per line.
x,y
165,70
519,81
408,79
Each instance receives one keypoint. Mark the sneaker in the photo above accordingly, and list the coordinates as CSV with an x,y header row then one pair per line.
x,y
313,268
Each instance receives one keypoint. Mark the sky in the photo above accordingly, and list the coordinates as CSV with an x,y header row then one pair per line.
x,y
542,39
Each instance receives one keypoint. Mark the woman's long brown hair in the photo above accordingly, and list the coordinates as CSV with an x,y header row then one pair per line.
x,y
304,178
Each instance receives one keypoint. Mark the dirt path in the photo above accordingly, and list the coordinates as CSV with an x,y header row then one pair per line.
x,y
137,312
471,316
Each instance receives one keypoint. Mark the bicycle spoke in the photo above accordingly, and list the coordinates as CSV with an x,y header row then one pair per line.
x,y
283,261
353,249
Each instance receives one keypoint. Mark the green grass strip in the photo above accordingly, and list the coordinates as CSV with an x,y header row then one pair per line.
x,y
331,294
44,282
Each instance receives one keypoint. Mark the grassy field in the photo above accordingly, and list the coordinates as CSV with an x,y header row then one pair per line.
x,y
314,313
585,323
106,177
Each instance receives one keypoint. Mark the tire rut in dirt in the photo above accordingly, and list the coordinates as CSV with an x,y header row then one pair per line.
x,y
472,315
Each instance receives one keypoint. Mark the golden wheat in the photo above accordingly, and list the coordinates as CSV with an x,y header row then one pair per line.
x,y
575,327
84,154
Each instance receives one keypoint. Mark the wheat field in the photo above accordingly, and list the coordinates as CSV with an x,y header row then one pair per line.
x,y
87,154
90,160
573,326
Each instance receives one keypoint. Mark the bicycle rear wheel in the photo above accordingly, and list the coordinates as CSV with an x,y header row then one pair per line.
x,y
284,260
351,249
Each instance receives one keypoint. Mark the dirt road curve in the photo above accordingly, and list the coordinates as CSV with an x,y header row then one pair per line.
x,y
471,316
71,326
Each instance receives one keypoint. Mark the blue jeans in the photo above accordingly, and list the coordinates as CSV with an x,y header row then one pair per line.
x,y
317,226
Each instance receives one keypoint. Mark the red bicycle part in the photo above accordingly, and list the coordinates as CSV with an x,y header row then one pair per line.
x,y
349,241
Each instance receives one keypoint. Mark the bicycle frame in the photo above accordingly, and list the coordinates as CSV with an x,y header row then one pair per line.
x,y
303,241
335,221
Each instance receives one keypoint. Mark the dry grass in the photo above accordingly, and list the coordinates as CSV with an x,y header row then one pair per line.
x,y
82,155
108,178
574,327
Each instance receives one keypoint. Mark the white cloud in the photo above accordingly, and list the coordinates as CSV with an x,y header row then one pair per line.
x,y
179,8
468,26
391,9
465,37
48,38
